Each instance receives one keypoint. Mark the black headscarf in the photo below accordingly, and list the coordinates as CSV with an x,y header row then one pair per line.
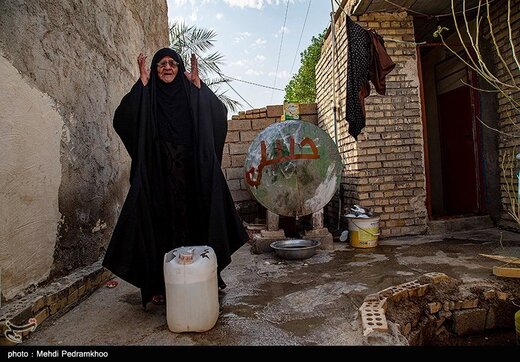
x,y
170,102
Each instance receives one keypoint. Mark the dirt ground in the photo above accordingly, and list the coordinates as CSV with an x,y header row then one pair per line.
x,y
415,311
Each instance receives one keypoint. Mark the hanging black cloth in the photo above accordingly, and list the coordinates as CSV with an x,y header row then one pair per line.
x,y
176,145
367,60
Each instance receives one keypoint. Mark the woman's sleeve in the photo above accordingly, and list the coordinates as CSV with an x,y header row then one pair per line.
x,y
126,118
219,120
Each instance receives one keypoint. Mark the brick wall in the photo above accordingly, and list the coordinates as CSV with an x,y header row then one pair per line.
x,y
384,169
242,130
509,119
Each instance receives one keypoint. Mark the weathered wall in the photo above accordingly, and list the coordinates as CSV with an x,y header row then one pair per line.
x,y
75,60
384,169
30,133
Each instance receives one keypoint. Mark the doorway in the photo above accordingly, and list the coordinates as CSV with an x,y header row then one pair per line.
x,y
452,135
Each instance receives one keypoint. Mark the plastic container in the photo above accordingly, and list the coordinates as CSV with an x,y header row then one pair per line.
x,y
364,232
190,276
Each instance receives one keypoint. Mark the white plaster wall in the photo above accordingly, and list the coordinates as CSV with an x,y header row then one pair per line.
x,y
79,57
30,176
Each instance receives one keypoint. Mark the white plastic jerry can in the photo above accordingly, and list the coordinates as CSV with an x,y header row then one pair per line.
x,y
190,276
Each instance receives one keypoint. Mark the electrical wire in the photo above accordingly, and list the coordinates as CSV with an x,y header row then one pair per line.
x,y
280,50
225,80
301,35
253,83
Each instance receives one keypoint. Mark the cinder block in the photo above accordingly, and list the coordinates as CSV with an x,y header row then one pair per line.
x,y
423,288
373,319
469,321
436,277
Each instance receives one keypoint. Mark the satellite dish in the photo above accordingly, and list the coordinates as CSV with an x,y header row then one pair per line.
x,y
293,168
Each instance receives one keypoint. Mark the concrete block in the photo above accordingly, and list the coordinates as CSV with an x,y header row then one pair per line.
x,y
373,319
261,246
372,298
272,234
373,304
436,277
423,288
323,236
469,321
261,242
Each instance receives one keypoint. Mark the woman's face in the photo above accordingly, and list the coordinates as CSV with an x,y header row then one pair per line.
x,y
167,69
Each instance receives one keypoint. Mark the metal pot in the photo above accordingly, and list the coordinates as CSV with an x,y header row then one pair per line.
x,y
295,248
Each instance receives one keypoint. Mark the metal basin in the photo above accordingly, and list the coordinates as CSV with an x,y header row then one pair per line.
x,y
295,248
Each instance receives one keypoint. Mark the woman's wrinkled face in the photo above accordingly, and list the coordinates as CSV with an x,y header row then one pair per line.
x,y
167,69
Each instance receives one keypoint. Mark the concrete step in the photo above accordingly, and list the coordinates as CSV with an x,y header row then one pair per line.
x,y
459,224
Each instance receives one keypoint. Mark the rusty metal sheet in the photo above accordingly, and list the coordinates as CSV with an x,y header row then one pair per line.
x,y
293,168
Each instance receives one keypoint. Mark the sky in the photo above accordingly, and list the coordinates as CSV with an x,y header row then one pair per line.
x,y
249,36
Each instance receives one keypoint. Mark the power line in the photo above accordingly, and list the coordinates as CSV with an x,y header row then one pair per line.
x,y
301,35
280,50
253,83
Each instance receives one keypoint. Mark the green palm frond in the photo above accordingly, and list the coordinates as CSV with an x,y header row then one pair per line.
x,y
216,81
230,103
187,40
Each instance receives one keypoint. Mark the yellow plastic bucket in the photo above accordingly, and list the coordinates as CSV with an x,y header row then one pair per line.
x,y
363,232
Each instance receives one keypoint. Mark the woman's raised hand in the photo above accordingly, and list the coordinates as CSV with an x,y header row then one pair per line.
x,y
144,73
193,76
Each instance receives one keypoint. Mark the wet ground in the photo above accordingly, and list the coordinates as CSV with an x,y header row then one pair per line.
x,y
270,301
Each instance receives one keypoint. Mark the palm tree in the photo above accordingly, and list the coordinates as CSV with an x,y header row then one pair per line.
x,y
187,40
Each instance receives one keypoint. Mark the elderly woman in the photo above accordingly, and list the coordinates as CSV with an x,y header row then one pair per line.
x,y
173,127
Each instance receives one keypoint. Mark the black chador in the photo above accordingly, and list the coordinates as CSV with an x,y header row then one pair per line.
x,y
178,195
